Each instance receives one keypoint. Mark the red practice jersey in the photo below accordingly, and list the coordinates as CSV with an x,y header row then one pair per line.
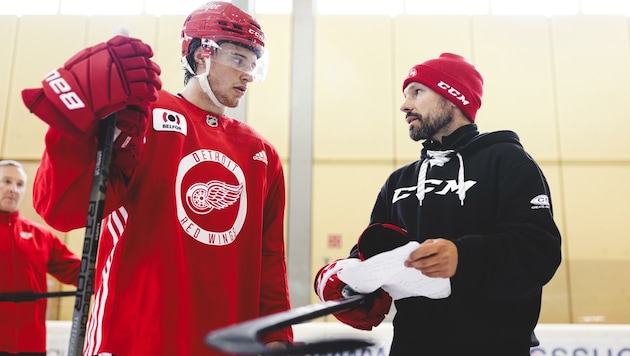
x,y
191,242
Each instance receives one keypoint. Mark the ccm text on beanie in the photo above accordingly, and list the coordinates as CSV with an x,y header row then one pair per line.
x,y
453,77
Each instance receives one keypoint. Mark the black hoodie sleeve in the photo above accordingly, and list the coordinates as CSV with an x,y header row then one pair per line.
x,y
524,250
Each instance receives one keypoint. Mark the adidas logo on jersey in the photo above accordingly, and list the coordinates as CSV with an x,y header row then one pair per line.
x,y
261,156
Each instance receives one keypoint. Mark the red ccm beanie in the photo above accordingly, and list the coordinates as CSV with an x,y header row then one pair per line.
x,y
453,77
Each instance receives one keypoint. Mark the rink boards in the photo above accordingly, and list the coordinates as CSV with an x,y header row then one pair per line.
x,y
555,339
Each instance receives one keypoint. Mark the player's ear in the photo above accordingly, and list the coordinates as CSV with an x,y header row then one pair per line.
x,y
199,59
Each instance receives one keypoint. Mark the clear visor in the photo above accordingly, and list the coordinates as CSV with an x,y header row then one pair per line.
x,y
239,58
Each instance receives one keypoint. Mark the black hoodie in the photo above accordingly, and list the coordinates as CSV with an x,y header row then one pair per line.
x,y
488,196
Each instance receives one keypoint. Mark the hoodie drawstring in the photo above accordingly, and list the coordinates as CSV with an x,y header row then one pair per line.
x,y
439,158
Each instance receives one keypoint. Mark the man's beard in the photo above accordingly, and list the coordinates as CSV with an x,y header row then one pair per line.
x,y
431,124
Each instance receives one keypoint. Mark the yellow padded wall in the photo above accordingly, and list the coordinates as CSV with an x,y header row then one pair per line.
x,y
556,307
8,27
513,54
101,28
43,43
343,196
352,87
592,66
597,211
269,102
168,52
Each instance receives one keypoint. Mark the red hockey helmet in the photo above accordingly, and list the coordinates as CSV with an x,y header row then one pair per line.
x,y
219,21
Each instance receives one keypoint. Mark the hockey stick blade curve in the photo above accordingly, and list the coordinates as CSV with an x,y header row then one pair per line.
x,y
243,338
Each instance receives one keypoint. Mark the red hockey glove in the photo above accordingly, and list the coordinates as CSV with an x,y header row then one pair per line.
x,y
132,126
328,286
95,83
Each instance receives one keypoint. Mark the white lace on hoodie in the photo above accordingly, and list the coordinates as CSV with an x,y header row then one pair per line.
x,y
439,158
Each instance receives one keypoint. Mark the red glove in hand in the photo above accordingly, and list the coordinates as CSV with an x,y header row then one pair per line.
x,y
328,286
95,83
132,126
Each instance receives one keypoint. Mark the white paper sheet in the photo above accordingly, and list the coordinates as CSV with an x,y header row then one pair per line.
x,y
387,270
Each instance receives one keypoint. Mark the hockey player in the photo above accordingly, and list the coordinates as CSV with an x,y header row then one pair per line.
x,y
480,208
193,235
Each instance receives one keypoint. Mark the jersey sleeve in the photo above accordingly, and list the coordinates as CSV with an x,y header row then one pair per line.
x,y
274,288
63,182
63,264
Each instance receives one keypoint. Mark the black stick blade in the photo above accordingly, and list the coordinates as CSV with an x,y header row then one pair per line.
x,y
243,338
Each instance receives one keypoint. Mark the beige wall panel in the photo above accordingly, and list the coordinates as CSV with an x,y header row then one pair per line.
x,y
599,290
592,66
518,81
101,28
343,197
352,87
8,27
556,307
597,211
416,39
43,43
168,52
269,103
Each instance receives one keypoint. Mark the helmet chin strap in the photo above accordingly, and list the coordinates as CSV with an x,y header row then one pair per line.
x,y
205,85
202,78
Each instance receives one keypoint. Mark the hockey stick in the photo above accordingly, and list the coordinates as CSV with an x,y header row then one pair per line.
x,y
85,287
29,297
243,338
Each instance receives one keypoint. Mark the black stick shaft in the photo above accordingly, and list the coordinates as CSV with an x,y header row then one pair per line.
x,y
85,288
29,296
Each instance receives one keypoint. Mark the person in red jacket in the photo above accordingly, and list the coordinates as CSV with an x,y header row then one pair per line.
x,y
193,234
28,251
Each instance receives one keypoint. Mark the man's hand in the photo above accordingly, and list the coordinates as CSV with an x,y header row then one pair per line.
x,y
276,345
435,258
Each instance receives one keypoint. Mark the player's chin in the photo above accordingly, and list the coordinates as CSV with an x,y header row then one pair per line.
x,y
231,102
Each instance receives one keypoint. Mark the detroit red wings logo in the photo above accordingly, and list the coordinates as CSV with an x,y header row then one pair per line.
x,y
202,198
211,197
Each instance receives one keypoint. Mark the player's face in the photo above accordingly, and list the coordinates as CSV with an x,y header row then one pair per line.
x,y
230,73
12,187
427,113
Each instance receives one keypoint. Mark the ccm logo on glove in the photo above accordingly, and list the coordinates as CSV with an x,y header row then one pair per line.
x,y
61,87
